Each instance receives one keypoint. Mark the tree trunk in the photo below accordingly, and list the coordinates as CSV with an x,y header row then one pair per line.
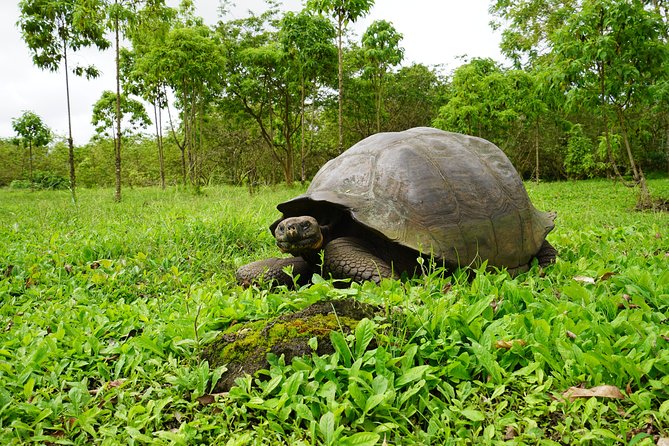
x,y
302,173
643,200
536,150
30,159
666,147
117,150
340,25
159,143
70,141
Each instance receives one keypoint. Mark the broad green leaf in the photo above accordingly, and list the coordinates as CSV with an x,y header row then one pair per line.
x,y
373,401
488,361
327,427
361,439
473,415
341,346
413,374
364,333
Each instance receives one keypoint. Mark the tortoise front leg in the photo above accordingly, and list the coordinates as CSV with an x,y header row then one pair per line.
x,y
272,271
546,255
352,258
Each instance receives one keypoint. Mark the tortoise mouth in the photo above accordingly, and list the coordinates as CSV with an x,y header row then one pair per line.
x,y
300,246
298,235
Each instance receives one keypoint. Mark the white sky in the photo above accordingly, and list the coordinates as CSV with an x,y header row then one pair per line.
x,y
436,32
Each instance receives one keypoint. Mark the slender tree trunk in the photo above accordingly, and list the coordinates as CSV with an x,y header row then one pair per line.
x,y
159,143
117,151
602,95
340,25
643,200
30,155
70,141
666,147
536,150
302,173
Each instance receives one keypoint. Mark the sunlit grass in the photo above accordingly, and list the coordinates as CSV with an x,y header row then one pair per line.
x,y
104,308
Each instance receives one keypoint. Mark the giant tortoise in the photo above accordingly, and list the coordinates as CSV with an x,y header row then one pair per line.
x,y
392,198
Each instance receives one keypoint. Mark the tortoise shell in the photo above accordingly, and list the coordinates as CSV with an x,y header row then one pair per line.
x,y
453,196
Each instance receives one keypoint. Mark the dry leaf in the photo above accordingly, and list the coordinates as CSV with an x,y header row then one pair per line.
x,y
206,400
606,276
509,344
68,268
571,334
210,398
627,298
510,433
584,279
598,392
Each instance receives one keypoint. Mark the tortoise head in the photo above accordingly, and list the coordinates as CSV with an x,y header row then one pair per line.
x,y
298,235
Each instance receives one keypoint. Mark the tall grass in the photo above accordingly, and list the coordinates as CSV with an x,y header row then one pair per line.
x,y
105,307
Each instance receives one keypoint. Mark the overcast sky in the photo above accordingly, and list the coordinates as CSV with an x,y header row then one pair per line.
x,y
436,32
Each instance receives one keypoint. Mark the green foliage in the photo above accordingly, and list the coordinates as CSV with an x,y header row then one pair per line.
x,y
105,308
31,130
580,159
104,114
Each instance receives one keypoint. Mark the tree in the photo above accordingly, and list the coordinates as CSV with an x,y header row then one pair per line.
x,y
343,12
307,42
413,97
611,54
32,133
260,83
52,27
150,30
528,25
105,115
380,46
191,62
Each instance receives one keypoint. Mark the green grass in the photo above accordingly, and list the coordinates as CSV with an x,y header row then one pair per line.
x,y
105,307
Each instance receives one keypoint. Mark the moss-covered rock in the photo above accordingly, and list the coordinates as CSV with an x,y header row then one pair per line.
x,y
243,347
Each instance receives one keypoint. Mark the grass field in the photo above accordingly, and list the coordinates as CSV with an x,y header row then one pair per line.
x,y
105,308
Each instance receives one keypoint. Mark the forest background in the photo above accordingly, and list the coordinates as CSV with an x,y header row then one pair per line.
x,y
267,99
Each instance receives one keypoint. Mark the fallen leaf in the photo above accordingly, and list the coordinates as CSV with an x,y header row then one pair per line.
x,y
206,400
509,344
210,398
658,235
446,288
510,433
627,298
584,279
598,392
606,276
571,334
68,268
95,265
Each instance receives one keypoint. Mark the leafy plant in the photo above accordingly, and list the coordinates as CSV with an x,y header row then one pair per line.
x,y
102,325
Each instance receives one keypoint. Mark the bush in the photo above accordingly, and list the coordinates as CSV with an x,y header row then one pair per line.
x,y
42,180
580,161
48,180
20,184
